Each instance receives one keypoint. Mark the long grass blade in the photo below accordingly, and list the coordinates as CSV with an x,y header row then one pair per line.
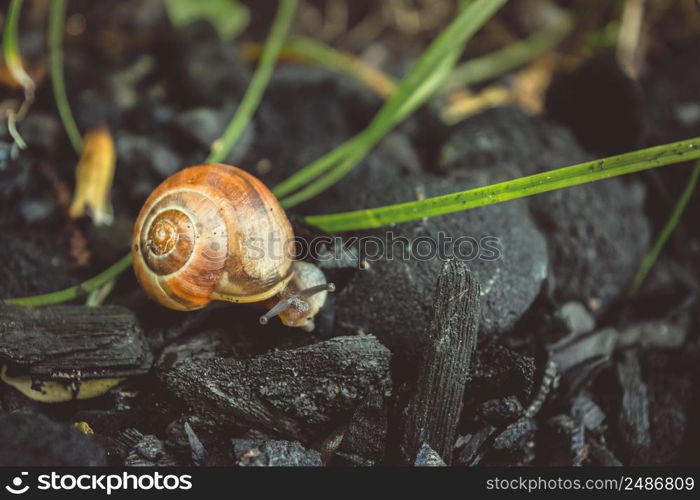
x,y
651,257
422,81
510,190
57,21
280,26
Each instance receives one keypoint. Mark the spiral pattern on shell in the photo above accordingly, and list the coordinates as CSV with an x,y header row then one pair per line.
x,y
206,233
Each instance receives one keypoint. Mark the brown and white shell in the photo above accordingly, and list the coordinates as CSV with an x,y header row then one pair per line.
x,y
212,232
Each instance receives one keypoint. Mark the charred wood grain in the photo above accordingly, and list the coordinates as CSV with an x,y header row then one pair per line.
x,y
73,341
294,393
434,410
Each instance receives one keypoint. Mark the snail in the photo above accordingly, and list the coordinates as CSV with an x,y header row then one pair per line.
x,y
216,233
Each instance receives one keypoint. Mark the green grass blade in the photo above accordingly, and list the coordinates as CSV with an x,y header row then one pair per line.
x,y
651,257
340,62
75,291
57,21
316,168
10,43
518,188
424,78
283,19
508,58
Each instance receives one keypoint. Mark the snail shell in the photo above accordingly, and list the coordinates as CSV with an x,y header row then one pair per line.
x,y
212,232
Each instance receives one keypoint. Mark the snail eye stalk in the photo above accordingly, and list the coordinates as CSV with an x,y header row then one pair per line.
x,y
296,300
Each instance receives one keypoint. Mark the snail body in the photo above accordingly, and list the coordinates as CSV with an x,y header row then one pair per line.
x,y
215,232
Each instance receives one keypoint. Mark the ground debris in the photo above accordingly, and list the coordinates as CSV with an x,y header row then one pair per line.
x,y
427,457
253,453
150,451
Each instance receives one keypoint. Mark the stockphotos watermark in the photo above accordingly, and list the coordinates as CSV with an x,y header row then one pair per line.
x,y
106,483
359,251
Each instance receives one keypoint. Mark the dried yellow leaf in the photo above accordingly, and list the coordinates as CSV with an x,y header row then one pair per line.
x,y
94,175
83,427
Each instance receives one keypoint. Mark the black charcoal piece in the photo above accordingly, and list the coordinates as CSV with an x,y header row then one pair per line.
x,y
599,454
150,451
562,441
427,457
579,357
365,436
499,411
601,103
576,318
73,342
393,297
516,444
588,412
433,412
497,372
655,334
253,453
293,393
468,454
633,419
30,439
199,454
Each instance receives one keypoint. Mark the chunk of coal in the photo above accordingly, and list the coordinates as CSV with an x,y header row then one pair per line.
x,y
73,342
31,440
505,136
434,409
498,372
588,412
576,318
274,453
562,441
672,100
655,334
593,256
599,454
633,419
601,104
208,69
469,453
364,440
150,451
671,378
499,411
295,392
199,454
393,297
578,357
427,457
515,445
33,265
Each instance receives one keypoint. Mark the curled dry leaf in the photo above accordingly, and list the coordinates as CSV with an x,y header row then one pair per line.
x,y
94,176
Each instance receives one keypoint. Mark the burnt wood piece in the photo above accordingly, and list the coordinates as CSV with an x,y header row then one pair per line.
x,y
434,409
364,441
73,342
295,393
